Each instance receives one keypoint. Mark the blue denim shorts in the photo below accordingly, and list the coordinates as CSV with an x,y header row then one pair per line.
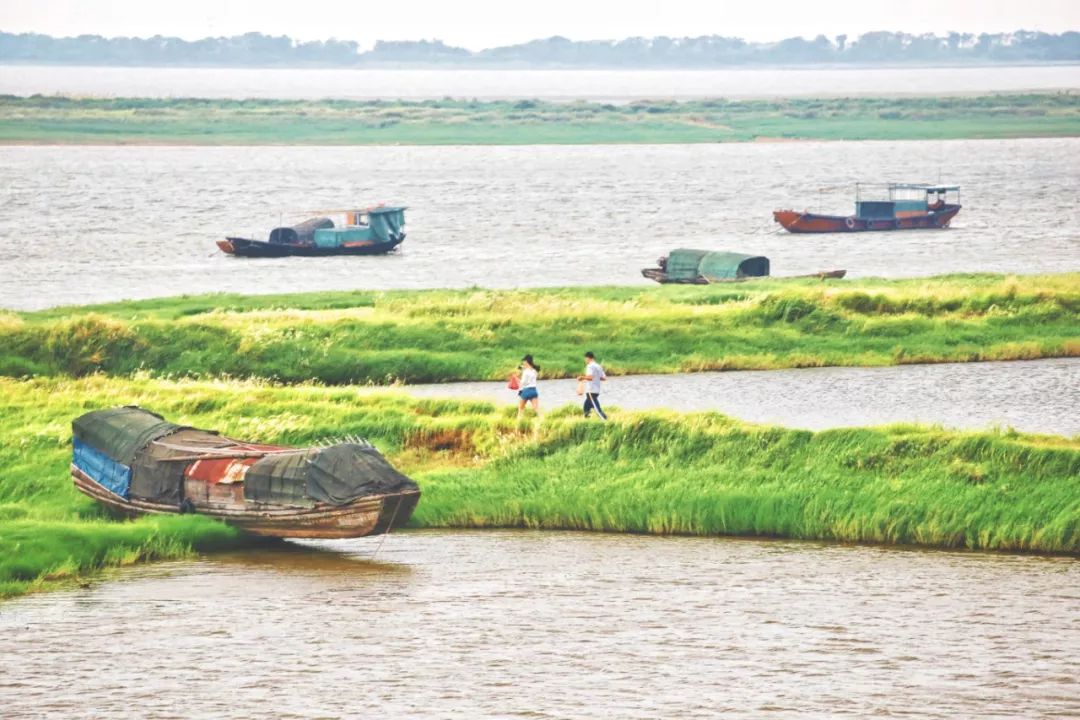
x,y
528,393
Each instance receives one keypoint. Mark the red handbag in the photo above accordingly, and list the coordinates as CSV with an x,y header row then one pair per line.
x,y
514,384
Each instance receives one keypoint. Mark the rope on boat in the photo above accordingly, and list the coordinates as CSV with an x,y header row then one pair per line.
x,y
389,527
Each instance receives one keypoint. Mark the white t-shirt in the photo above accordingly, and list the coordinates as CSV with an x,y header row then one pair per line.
x,y
596,372
528,377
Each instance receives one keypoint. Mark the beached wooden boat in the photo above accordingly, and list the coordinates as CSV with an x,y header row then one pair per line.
x,y
906,206
373,231
136,463
704,267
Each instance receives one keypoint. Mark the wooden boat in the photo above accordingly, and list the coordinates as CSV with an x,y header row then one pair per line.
x,y
705,267
373,231
136,463
906,206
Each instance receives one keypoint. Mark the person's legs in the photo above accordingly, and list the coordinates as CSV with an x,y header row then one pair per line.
x,y
595,399
587,405
521,406
536,406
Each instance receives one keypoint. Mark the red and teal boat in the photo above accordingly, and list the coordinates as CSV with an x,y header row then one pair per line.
x,y
903,206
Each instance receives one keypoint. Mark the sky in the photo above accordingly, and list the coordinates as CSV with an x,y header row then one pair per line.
x,y
478,24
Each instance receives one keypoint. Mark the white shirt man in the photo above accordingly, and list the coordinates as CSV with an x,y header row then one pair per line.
x,y
594,375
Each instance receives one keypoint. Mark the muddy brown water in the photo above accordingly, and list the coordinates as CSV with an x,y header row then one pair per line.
x,y
94,224
554,625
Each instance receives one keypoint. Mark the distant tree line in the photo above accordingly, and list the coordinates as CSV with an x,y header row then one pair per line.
x,y
258,50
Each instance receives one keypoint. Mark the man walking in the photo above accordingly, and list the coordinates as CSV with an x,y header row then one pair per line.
x,y
594,375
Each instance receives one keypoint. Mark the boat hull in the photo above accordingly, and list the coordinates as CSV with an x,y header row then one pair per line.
x,y
658,275
804,222
370,515
243,247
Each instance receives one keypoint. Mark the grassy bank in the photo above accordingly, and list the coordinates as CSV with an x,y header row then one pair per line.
x,y
432,336
479,467
55,119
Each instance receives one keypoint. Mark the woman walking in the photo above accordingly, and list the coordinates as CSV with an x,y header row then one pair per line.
x,y
528,392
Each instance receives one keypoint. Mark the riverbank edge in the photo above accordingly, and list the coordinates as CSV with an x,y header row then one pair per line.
x,y
66,120
424,336
653,472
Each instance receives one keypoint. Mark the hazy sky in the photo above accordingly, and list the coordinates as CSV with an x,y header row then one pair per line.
x,y
484,23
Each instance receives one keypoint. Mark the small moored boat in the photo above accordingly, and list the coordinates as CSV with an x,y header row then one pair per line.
x,y
136,463
373,231
703,267
904,206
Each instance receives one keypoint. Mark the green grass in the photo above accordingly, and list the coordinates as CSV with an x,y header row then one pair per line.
x,y
58,119
480,467
433,336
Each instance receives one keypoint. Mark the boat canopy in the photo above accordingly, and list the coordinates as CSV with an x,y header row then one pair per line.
x,y
135,453
121,432
386,222
892,192
383,224
687,264
924,187
303,233
336,475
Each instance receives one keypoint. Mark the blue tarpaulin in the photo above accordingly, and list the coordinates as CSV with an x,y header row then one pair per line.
x,y
101,468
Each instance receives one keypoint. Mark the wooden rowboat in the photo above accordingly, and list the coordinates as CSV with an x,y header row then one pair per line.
x,y
705,267
135,463
658,275
366,516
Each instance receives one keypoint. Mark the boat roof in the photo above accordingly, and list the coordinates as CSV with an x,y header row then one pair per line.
x,y
923,186
375,210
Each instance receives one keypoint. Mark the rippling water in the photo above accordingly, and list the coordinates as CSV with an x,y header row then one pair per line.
x,y
1038,396
85,224
608,85
545,625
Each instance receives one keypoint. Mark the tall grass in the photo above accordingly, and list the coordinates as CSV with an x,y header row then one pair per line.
x,y
479,466
705,474
433,336
51,119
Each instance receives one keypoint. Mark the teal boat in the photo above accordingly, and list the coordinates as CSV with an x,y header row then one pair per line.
x,y
372,231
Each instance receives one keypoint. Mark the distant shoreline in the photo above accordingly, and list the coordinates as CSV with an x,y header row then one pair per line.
x,y
64,120
255,49
555,67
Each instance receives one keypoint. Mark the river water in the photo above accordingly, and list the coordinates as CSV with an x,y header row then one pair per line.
x,y
1040,396
88,224
606,85
555,625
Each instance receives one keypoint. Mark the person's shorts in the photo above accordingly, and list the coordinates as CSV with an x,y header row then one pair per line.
x,y
528,393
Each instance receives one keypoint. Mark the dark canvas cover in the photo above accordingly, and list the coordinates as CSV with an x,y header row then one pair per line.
x,y
335,475
158,471
341,473
304,233
280,479
121,432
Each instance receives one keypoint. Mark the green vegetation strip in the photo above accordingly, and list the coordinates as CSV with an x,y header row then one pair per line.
x,y
60,119
478,466
434,336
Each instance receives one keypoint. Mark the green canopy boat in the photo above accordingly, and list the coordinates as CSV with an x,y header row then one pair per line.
x,y
702,267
